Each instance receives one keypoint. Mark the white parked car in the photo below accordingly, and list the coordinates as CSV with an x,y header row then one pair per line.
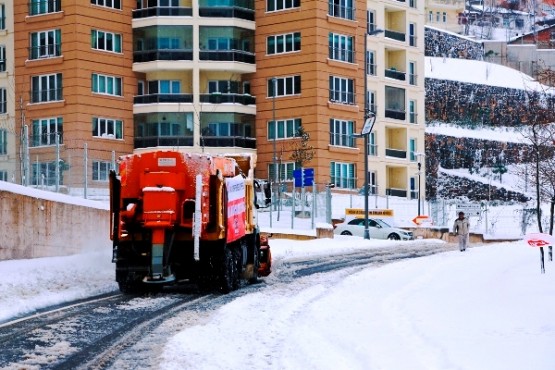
x,y
377,228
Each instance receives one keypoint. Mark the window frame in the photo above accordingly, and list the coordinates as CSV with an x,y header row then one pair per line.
x,y
116,39
342,90
286,128
97,170
41,95
45,130
282,41
341,133
102,84
110,4
286,86
107,128
347,180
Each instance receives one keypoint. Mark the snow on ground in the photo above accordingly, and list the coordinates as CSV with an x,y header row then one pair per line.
x,y
486,308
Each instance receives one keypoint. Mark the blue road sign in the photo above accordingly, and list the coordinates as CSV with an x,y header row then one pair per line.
x,y
304,177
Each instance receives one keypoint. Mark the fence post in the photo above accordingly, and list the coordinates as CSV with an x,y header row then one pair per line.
x,y
85,166
57,168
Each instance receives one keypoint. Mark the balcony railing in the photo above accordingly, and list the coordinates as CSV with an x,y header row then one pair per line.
x,y
228,141
46,95
45,51
165,54
153,141
163,11
163,98
396,153
395,114
395,35
396,192
216,98
342,140
226,12
227,56
393,73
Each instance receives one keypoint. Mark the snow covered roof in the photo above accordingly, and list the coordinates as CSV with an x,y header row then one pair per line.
x,y
480,72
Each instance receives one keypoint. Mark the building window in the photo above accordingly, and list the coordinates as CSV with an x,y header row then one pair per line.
x,y
286,128
164,87
100,170
273,5
114,4
2,58
431,16
3,174
284,86
341,47
371,66
107,128
45,131
412,73
44,174
343,175
412,3
341,133
46,44
371,96
412,111
3,101
373,182
285,171
342,90
108,85
444,17
341,9
413,188
412,34
106,41
372,144
223,87
286,43
412,149
46,88
44,6
371,21
437,17
3,142
2,17
395,103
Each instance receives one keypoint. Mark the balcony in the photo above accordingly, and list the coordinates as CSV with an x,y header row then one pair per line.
x,y
163,11
163,98
227,56
396,192
227,12
395,74
228,141
217,98
396,153
164,54
395,114
395,35
154,141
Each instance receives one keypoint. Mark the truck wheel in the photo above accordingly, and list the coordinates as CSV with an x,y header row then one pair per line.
x,y
226,274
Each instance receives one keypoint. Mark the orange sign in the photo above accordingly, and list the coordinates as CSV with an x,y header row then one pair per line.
x,y
419,220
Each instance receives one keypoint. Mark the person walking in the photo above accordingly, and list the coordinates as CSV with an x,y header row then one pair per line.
x,y
461,228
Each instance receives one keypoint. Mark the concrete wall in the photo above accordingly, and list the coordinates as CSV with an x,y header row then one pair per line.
x,y
33,227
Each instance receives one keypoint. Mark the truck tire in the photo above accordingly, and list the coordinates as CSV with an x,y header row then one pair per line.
x,y
227,266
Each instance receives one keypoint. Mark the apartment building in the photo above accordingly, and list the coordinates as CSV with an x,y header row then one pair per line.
x,y
314,53
8,133
446,15
73,90
221,76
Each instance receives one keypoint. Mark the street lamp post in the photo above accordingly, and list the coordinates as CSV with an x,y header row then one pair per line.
x,y
419,199
369,119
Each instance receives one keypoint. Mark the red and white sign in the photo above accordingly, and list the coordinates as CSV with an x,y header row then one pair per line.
x,y
422,220
236,212
539,239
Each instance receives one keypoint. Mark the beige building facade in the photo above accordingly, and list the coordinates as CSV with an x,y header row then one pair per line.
x,y
219,77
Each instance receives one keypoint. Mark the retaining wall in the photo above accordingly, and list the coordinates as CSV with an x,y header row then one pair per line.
x,y
36,227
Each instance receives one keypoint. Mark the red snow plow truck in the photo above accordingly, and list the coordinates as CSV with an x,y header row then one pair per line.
x,y
185,217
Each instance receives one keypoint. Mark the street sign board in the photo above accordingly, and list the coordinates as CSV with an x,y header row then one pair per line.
x,y
469,209
303,177
359,212
422,219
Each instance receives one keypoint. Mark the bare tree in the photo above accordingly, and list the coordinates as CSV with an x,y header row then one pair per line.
x,y
302,152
